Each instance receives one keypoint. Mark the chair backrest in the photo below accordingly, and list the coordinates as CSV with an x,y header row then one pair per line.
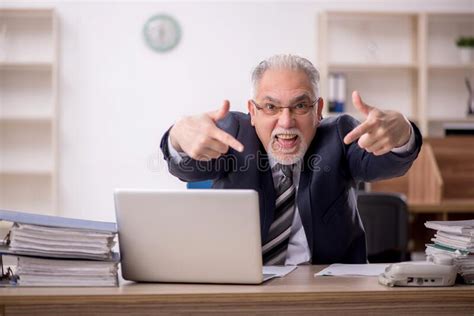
x,y
385,219
199,185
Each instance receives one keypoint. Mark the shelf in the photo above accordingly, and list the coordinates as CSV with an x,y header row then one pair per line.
x,y
26,172
24,92
404,61
447,95
370,14
369,67
386,90
451,120
465,67
450,16
26,35
28,109
26,119
358,116
26,146
437,126
41,65
443,32
383,64
26,13
372,39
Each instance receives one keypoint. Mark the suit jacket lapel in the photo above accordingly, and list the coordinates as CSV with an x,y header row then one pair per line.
x,y
304,205
304,193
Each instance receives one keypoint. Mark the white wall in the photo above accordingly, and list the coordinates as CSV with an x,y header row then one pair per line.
x,y
117,97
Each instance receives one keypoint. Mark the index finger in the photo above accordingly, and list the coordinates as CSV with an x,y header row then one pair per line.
x,y
356,133
227,139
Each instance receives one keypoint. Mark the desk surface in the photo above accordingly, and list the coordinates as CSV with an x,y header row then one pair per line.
x,y
299,292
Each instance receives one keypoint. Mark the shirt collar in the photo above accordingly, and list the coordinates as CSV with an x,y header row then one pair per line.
x,y
273,163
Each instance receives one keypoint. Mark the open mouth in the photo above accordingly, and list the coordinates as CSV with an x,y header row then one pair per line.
x,y
286,140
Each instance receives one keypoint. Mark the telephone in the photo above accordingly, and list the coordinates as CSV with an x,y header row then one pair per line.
x,y
438,270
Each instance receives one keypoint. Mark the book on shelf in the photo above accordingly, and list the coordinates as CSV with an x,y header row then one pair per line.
x,y
337,83
57,251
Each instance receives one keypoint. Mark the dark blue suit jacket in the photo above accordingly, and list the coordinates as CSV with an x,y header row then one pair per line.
x,y
326,198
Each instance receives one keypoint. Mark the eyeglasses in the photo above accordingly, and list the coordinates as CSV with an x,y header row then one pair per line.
x,y
300,108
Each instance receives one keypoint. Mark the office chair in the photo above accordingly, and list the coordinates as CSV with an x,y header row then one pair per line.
x,y
199,185
385,219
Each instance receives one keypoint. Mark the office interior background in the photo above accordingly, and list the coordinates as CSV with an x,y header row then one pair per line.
x,y
84,100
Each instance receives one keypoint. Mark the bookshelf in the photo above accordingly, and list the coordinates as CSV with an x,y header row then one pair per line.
x,y
446,91
407,61
28,110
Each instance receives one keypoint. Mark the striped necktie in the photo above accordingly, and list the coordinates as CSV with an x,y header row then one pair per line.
x,y
274,250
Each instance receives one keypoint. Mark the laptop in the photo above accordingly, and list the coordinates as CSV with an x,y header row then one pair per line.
x,y
191,236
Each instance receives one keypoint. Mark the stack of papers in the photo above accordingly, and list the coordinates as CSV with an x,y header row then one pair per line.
x,y
31,271
457,227
60,242
57,251
456,239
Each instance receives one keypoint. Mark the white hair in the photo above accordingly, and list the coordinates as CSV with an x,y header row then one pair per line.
x,y
286,61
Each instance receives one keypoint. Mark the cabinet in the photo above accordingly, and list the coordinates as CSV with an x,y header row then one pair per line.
x,y
406,61
28,110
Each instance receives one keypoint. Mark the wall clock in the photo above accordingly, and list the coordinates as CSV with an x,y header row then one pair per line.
x,y
162,33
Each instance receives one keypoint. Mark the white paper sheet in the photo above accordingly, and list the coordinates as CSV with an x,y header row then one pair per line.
x,y
339,269
278,271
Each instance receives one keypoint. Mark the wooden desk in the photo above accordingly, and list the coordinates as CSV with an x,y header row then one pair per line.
x,y
298,293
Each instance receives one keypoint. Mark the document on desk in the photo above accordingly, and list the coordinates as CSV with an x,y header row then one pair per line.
x,y
278,271
339,269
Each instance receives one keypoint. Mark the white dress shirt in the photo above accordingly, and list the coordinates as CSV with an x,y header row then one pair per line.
x,y
298,250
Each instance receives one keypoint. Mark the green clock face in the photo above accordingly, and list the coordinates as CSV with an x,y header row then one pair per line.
x,y
162,33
